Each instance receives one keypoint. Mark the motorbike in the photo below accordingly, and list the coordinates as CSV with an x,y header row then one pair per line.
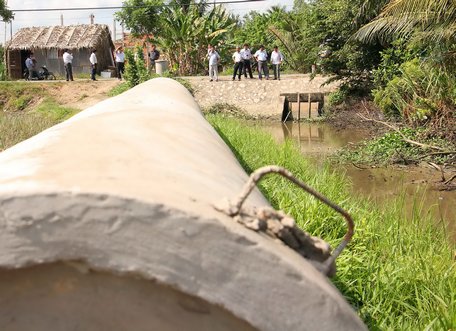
x,y
43,74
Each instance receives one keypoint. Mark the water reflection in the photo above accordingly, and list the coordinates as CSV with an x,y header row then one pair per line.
x,y
318,140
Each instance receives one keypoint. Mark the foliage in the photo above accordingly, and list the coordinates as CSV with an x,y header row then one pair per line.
x,y
318,33
337,97
51,109
3,75
255,28
141,17
391,60
417,92
5,14
391,148
398,272
416,80
135,69
16,127
433,20
118,89
186,32
225,109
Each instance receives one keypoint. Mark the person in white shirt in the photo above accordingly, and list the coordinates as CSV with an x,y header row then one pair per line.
x,y
276,60
246,55
93,64
214,59
238,63
67,63
120,62
262,57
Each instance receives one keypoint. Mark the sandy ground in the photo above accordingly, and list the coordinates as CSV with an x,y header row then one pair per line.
x,y
82,94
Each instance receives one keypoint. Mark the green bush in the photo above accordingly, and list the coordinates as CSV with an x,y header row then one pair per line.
x,y
337,97
135,69
417,92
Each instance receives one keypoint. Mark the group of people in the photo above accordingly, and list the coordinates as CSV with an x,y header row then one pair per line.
x,y
242,62
119,57
68,64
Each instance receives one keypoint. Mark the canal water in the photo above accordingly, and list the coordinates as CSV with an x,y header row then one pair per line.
x,y
416,184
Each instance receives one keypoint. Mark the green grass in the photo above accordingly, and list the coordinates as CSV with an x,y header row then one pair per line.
x,y
118,89
50,108
16,127
17,121
398,273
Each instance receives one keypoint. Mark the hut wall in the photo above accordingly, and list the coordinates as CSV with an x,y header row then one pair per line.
x,y
50,58
81,63
104,55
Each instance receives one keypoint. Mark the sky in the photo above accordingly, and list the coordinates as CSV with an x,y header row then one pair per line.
x,y
49,18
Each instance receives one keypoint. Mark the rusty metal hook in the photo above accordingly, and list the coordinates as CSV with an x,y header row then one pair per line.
x,y
256,176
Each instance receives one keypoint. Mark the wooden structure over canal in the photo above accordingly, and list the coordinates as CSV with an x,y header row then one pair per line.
x,y
299,97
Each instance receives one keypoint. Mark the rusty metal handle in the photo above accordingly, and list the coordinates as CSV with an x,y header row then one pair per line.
x,y
256,176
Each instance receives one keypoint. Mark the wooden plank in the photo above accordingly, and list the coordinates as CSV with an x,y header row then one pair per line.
x,y
309,100
298,98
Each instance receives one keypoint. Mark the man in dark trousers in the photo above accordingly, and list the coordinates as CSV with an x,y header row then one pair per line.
x,y
154,55
67,62
238,63
246,55
93,63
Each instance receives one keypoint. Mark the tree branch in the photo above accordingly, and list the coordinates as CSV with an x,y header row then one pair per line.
x,y
404,138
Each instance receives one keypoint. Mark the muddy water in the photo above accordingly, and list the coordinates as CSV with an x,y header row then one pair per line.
x,y
317,141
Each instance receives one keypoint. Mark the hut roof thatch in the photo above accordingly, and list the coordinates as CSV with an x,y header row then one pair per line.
x,y
72,37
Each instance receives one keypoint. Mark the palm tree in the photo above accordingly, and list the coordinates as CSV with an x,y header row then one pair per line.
x,y
430,19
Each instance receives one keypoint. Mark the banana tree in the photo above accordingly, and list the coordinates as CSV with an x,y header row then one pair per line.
x,y
186,32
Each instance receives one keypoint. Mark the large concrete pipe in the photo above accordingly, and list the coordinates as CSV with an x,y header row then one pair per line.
x,y
107,223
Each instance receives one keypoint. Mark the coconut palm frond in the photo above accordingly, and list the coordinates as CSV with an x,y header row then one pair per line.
x,y
383,29
369,9
405,17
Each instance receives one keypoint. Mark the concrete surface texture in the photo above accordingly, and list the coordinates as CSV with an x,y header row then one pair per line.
x,y
127,188
256,97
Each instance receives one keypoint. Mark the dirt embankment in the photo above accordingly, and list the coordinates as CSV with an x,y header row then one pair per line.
x,y
79,94
83,94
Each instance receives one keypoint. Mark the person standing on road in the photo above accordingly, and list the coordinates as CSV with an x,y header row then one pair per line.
x,y
67,62
30,63
93,64
154,55
214,59
262,57
120,62
246,55
276,60
238,63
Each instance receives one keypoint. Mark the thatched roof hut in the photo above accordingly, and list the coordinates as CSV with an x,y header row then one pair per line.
x,y
48,43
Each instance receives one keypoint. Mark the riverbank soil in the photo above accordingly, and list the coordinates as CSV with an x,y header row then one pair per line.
x,y
347,117
78,94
